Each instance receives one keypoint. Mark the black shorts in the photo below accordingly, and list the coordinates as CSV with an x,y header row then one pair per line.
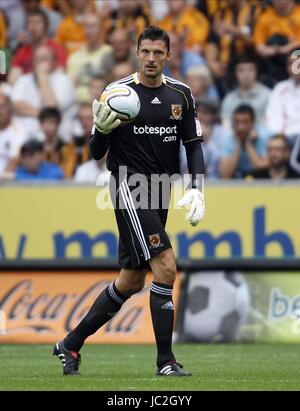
x,y
140,221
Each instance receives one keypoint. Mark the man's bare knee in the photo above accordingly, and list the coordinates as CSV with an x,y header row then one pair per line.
x,y
164,267
131,281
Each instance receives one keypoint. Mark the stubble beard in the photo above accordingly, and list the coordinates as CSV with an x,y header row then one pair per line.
x,y
153,75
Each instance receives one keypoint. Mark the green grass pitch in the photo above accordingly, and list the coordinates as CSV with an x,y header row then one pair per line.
x,y
128,367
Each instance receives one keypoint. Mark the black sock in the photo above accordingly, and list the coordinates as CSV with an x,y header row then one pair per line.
x,y
107,304
162,311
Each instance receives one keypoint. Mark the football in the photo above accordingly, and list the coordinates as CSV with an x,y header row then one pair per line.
x,y
123,100
217,305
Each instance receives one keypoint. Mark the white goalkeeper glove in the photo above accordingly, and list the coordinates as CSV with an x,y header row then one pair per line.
x,y
195,199
104,118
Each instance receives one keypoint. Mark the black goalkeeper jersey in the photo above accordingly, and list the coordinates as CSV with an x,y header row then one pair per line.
x,y
151,143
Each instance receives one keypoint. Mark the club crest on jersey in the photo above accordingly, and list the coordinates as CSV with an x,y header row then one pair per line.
x,y
155,240
176,110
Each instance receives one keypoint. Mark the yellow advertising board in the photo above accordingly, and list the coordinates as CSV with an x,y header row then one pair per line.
x,y
65,222
43,307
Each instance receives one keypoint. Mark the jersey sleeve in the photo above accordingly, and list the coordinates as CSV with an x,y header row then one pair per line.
x,y
98,144
191,127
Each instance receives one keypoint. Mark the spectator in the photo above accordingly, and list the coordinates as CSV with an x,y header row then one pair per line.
x,y
12,136
201,83
282,114
45,87
84,63
278,159
248,91
208,7
295,156
129,15
10,7
230,37
276,33
37,23
246,148
188,22
62,6
50,119
159,9
122,70
93,172
3,31
5,88
106,7
77,152
18,21
121,51
97,85
213,134
211,7
70,33
65,6
182,58
33,166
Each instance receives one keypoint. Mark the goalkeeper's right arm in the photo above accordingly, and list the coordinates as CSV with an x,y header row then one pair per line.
x,y
98,144
104,122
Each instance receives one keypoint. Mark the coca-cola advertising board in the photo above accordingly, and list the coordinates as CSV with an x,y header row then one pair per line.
x,y
42,307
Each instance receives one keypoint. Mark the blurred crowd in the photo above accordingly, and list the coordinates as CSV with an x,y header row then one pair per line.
x,y
239,57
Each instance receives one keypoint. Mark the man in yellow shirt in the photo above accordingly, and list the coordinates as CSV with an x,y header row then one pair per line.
x,y
188,21
84,63
230,37
77,152
280,19
62,6
210,7
131,16
276,33
70,32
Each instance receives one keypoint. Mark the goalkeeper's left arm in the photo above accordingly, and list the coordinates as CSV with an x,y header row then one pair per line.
x,y
195,196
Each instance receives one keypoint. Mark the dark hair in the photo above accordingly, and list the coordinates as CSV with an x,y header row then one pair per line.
x,y
246,58
245,109
154,33
208,104
49,112
40,13
282,137
32,146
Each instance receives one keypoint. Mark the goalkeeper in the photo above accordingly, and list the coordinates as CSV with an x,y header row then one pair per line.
x,y
148,146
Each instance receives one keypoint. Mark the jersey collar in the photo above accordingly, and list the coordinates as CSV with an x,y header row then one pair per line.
x,y
137,81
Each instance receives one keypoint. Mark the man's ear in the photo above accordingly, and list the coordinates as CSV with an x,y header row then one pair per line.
x,y
169,55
